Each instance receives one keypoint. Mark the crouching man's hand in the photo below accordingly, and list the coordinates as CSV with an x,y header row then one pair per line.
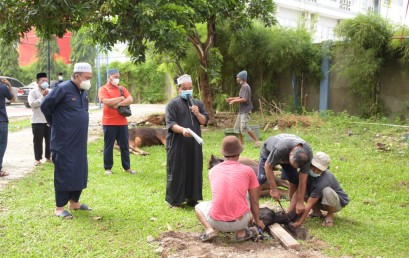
x,y
259,223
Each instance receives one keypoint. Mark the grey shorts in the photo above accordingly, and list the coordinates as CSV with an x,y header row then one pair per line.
x,y
223,226
330,198
241,124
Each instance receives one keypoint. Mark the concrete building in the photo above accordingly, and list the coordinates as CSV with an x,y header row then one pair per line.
x,y
322,16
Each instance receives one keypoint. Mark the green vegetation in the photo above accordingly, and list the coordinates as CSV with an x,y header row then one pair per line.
x,y
129,208
18,123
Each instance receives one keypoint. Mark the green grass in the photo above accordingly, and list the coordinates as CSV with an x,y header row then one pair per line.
x,y
375,223
18,123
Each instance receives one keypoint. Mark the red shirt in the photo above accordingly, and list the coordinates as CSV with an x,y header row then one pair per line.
x,y
230,182
110,116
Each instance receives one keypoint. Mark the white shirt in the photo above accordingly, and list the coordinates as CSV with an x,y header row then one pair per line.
x,y
35,97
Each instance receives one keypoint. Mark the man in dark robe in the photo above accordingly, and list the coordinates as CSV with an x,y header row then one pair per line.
x,y
66,110
184,153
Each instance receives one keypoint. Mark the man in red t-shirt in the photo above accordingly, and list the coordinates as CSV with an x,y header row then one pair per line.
x,y
115,125
234,186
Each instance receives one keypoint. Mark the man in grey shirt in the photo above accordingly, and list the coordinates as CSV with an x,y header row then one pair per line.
x,y
41,130
323,191
292,153
245,108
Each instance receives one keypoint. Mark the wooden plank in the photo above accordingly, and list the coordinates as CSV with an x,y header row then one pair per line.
x,y
285,238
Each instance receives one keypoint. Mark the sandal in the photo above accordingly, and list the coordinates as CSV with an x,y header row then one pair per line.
x,y
316,216
131,171
250,233
3,173
82,207
64,215
328,223
205,237
37,163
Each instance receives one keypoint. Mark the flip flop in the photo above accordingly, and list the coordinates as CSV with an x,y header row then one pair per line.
x,y
3,173
250,233
207,237
316,216
328,223
65,215
83,207
130,171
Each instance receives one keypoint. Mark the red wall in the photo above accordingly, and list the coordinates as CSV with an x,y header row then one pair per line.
x,y
27,49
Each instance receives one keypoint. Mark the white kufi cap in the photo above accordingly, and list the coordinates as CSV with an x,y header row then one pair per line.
x,y
82,68
184,78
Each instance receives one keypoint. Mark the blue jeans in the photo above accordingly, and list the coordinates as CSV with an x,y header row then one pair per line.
x,y
4,132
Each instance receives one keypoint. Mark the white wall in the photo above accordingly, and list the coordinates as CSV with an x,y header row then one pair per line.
x,y
326,14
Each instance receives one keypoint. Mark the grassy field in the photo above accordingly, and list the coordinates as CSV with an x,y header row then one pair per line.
x,y
18,123
128,208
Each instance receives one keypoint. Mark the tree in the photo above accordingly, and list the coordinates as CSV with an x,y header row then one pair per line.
x,y
364,51
9,60
48,17
46,47
170,25
400,44
82,49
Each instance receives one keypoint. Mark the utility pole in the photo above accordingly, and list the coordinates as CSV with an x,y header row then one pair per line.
x,y
49,61
99,74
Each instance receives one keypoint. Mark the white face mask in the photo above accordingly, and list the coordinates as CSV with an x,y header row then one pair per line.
x,y
60,78
115,81
85,85
313,174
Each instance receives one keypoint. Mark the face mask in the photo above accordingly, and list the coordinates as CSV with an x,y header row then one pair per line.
x,y
85,85
313,174
115,82
45,85
185,93
60,78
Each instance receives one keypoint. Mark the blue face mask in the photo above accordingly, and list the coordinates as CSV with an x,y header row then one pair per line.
x,y
184,93
313,174
45,85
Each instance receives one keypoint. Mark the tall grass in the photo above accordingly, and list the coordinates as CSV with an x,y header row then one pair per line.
x,y
128,208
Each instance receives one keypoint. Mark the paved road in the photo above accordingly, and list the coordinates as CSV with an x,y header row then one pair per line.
x,y
19,156
17,110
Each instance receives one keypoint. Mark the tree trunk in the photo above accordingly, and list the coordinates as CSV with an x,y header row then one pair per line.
x,y
207,96
202,51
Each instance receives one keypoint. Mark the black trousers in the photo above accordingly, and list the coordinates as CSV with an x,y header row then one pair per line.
x,y
40,132
120,134
62,197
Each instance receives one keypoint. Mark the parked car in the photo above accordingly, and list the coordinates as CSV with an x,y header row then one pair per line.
x,y
16,84
22,95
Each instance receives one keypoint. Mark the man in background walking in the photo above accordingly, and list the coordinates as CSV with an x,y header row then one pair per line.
x,y
245,108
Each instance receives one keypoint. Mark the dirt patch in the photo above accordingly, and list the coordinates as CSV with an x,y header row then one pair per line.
x,y
185,244
227,120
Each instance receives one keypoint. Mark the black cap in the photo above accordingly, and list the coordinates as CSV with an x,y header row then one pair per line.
x,y
59,73
41,75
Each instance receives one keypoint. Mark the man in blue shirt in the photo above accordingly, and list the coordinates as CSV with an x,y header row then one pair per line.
x,y
66,110
6,91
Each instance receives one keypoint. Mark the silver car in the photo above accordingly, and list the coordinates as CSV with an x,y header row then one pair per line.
x,y
22,95
16,84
